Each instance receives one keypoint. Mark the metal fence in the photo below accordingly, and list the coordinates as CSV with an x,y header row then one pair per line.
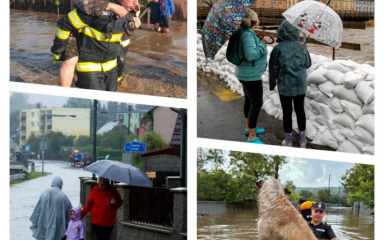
x,y
20,159
151,205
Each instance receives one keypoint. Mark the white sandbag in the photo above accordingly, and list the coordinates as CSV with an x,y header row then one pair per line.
x,y
334,76
320,128
334,126
369,108
315,106
326,138
347,133
372,85
318,96
337,135
364,136
270,108
352,78
359,144
317,76
369,150
326,88
337,65
307,106
365,92
345,120
350,64
310,114
344,93
367,122
364,69
327,112
352,109
335,105
349,147
276,100
310,130
370,77
321,120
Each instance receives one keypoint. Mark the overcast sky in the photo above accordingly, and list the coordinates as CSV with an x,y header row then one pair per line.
x,y
47,100
310,172
313,173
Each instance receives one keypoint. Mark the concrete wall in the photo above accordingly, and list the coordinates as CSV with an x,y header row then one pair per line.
x,y
127,230
162,163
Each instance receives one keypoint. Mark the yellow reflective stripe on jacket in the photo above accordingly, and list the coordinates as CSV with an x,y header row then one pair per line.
x,y
119,78
56,56
62,34
96,67
138,14
100,36
75,20
125,42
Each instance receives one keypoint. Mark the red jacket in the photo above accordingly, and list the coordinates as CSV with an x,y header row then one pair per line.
x,y
99,203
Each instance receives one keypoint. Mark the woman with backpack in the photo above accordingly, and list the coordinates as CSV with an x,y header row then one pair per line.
x,y
253,54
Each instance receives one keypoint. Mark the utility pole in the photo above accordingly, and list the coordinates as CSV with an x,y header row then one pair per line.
x,y
43,145
95,102
129,119
329,187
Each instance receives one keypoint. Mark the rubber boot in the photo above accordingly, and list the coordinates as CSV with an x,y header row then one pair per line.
x,y
288,140
302,139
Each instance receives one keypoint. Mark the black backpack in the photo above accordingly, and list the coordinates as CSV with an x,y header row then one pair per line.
x,y
233,49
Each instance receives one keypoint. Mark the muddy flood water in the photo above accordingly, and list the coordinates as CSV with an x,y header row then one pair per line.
x,y
215,221
157,63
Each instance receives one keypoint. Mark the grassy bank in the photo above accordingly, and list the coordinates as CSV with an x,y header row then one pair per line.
x,y
31,175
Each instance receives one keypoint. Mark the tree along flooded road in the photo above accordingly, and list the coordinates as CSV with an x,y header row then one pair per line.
x,y
156,62
215,221
24,196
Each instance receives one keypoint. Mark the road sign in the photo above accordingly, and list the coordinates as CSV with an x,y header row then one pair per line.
x,y
135,146
43,145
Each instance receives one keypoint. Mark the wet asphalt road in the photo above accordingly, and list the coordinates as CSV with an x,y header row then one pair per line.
x,y
220,115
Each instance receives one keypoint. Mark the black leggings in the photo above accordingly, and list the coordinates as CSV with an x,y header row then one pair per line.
x,y
102,233
253,101
298,103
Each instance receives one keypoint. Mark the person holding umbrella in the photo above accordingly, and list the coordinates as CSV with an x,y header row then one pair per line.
x,y
103,203
249,72
288,64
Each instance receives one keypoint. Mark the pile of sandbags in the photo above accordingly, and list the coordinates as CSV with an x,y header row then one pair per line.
x,y
339,101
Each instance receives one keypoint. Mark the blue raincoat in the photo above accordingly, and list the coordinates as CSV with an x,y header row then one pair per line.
x,y
288,62
52,213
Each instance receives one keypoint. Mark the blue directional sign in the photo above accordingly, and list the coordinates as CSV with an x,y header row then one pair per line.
x,y
135,146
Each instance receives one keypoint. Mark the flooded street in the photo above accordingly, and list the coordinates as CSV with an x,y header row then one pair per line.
x,y
215,221
24,196
156,63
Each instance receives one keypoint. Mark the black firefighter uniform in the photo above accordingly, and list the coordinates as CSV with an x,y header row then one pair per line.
x,y
101,42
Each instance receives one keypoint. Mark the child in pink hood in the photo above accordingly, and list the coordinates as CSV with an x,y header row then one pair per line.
x,y
76,227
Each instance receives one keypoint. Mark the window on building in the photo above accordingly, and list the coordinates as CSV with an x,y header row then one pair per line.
x,y
33,114
272,5
263,4
32,124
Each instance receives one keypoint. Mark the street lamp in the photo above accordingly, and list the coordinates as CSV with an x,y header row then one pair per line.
x,y
43,144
